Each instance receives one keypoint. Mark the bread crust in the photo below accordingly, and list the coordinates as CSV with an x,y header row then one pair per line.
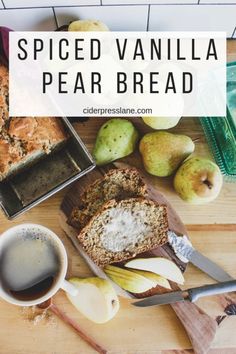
x,y
4,88
90,239
23,138
104,189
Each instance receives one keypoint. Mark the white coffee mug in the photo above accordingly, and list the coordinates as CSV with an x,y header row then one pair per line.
x,y
60,282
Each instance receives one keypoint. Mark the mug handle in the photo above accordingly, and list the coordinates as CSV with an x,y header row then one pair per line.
x,y
69,288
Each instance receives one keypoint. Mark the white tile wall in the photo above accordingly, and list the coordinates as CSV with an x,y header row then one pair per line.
x,y
28,19
129,15
193,18
48,3
222,2
117,18
149,2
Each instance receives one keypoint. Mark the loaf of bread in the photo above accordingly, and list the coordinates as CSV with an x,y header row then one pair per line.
x,y
123,229
4,101
24,140
116,184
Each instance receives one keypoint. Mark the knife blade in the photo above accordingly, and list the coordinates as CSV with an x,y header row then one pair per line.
x,y
191,295
209,267
186,252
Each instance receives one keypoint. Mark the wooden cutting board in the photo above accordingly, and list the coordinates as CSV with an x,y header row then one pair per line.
x,y
155,330
175,224
200,327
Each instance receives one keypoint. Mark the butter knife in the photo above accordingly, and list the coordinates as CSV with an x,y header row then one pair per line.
x,y
191,295
186,252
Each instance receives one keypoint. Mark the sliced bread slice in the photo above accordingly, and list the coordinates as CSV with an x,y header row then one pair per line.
x,y
123,229
116,184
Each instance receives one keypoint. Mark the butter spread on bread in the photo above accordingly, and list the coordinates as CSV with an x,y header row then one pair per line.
x,y
116,184
107,239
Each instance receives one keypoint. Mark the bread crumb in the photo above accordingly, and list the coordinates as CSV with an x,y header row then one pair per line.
x,y
34,315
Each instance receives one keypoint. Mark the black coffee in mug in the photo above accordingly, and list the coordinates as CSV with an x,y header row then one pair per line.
x,y
29,265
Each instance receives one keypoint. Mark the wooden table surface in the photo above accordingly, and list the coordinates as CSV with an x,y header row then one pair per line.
x,y
212,229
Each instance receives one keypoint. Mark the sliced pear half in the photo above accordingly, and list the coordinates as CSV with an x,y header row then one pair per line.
x,y
158,265
157,279
129,280
96,299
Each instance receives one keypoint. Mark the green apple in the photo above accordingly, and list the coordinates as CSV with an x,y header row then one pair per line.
x,y
158,280
128,280
115,139
198,180
161,266
87,26
160,123
96,299
163,152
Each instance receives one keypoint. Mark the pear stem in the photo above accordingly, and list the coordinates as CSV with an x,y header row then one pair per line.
x,y
196,140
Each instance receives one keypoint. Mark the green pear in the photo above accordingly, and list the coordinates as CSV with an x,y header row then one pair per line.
x,y
160,123
116,138
87,26
198,180
163,152
96,299
128,280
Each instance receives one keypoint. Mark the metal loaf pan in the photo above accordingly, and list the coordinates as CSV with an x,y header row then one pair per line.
x,y
47,176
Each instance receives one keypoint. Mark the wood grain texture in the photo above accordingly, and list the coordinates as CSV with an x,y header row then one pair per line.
x,y
212,229
221,211
200,327
133,330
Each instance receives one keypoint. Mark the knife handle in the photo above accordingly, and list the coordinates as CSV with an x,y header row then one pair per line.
x,y
214,289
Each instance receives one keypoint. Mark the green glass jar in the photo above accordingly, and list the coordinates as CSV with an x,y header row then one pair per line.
x,y
221,131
